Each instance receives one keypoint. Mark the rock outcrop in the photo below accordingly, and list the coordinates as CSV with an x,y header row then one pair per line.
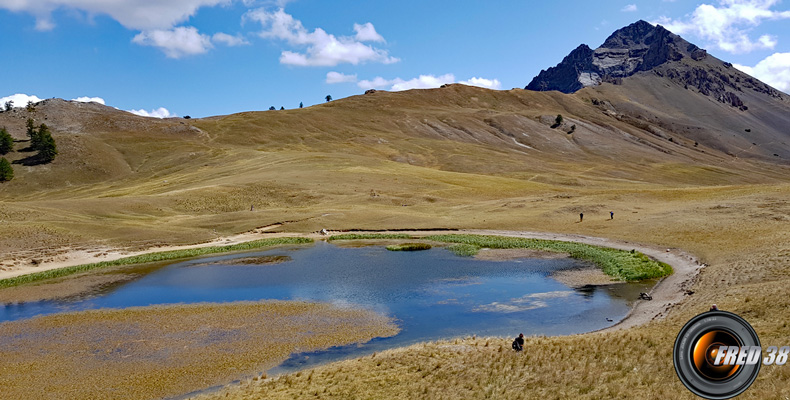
x,y
635,48
642,47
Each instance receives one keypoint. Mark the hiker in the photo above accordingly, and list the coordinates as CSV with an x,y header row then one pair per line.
x,y
581,217
518,344
611,214
714,308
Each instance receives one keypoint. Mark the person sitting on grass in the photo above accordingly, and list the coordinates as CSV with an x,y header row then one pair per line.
x,y
518,344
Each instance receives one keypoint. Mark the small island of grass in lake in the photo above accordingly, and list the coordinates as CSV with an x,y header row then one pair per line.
x,y
409,247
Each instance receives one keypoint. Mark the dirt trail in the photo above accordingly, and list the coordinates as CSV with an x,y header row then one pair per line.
x,y
666,294
71,257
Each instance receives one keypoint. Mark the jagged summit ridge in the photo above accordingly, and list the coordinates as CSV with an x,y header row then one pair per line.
x,y
634,48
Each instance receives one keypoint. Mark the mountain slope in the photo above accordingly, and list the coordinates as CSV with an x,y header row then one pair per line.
x,y
456,156
656,79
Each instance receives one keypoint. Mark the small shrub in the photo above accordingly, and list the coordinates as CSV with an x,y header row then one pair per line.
x,y
557,121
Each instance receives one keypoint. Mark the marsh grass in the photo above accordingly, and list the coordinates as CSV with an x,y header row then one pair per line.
x,y
362,236
463,249
165,351
150,257
409,247
619,264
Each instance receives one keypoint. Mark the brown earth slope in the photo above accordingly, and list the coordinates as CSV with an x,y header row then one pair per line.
x,y
124,180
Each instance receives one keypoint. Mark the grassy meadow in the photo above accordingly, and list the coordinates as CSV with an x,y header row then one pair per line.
x,y
738,235
166,351
453,158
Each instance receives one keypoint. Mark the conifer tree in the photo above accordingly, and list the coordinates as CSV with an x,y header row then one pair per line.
x,y
6,142
47,149
6,172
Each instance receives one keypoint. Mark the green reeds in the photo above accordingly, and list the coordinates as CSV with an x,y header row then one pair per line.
x,y
619,264
149,257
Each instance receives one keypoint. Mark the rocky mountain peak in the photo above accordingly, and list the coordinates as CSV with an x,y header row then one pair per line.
x,y
634,35
634,48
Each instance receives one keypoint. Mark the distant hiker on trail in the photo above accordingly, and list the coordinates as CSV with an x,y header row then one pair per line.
x,y
518,344
611,214
581,217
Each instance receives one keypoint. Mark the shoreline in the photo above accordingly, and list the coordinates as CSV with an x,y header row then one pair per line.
x,y
667,293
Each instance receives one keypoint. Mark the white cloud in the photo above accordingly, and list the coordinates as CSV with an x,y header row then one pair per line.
x,y
85,99
322,49
774,70
367,33
398,84
19,99
177,42
727,26
425,82
484,83
629,8
377,83
337,77
160,112
229,40
133,14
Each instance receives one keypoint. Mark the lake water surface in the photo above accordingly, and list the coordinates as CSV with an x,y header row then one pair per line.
x,y
432,294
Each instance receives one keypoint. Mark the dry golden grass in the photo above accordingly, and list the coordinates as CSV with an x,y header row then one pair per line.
x,y
155,352
449,155
636,363
436,159
740,232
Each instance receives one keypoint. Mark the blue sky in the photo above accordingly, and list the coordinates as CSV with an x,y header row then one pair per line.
x,y
210,57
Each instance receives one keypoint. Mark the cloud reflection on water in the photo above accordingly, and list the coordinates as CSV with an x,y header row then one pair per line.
x,y
524,303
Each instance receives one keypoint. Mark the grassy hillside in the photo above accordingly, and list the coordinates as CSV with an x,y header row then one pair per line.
x,y
455,157
451,157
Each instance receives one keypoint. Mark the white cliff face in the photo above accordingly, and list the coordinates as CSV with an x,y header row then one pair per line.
x,y
618,63
613,63
589,78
